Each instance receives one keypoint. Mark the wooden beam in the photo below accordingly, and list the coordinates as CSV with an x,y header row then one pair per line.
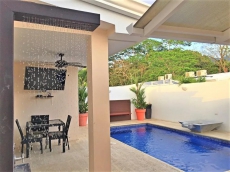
x,y
134,31
225,37
158,20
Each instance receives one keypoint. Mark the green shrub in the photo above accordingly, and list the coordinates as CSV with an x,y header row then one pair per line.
x,y
201,79
186,80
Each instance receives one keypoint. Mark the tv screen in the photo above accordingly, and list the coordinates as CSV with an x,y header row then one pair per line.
x,y
44,79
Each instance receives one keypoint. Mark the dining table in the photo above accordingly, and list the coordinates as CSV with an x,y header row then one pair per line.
x,y
52,123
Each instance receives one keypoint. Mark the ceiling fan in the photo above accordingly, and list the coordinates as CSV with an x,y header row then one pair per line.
x,y
62,63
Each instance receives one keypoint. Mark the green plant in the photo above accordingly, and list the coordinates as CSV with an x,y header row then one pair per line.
x,y
82,91
201,79
82,98
82,77
139,101
186,80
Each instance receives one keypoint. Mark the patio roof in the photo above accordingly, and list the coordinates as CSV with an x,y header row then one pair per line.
x,y
115,17
205,21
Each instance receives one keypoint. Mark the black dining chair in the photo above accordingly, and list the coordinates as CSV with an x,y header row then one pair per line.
x,y
60,134
40,119
29,138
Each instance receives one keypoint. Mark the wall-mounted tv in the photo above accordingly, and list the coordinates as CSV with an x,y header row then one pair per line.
x,y
44,79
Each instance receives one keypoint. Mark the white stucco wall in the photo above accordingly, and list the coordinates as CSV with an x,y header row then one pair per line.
x,y
209,100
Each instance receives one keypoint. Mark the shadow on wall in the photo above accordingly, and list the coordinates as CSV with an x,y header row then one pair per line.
x,y
200,101
209,100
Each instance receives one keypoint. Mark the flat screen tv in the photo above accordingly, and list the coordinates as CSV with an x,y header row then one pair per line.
x,y
44,79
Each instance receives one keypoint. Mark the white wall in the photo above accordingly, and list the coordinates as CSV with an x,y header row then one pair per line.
x,y
123,93
64,102
209,100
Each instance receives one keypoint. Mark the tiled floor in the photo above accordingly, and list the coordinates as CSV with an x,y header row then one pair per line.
x,y
124,157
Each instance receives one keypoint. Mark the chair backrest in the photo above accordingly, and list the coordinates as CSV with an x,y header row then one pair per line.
x,y
40,119
67,124
19,128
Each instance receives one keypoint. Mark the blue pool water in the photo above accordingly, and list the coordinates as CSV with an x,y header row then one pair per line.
x,y
186,151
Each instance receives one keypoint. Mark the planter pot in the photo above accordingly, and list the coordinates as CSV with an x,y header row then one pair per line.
x,y
140,114
83,119
148,113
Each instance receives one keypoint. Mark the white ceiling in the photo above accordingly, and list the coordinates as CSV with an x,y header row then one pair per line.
x,y
43,46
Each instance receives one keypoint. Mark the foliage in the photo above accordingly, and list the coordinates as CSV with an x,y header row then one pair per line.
x,y
82,77
140,49
174,44
187,80
139,101
147,46
156,63
201,79
82,99
82,91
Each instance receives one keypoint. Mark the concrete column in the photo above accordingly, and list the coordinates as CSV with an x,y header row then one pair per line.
x,y
6,88
98,98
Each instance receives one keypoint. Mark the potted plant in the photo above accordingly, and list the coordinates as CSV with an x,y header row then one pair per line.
x,y
83,105
82,97
148,112
139,101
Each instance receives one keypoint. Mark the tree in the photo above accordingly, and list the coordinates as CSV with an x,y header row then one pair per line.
x,y
154,64
220,54
147,46
152,58
140,49
172,44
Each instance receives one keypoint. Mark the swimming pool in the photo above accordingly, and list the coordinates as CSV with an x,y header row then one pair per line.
x,y
184,150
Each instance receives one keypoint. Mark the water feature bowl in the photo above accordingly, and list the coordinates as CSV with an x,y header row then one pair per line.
x,y
200,125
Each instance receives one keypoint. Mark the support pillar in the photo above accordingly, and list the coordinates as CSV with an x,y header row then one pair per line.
x,y
6,88
98,98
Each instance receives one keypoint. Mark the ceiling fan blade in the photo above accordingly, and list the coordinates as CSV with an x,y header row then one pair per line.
x,y
73,63
49,63
77,65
